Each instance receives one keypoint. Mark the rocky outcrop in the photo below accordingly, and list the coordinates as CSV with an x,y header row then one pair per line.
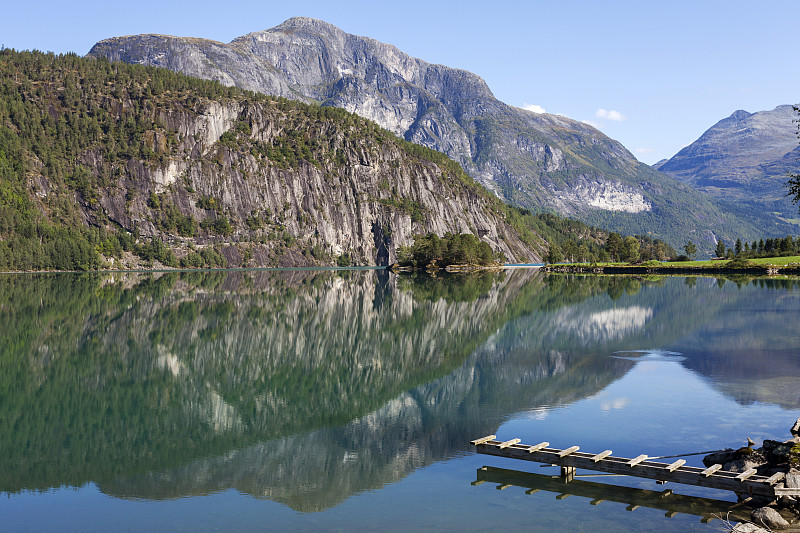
x,y
774,457
534,160
745,157
354,191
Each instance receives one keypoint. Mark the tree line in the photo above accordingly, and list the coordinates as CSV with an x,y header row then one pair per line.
x,y
616,248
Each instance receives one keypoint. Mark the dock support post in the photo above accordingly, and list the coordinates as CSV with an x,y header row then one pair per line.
x,y
568,473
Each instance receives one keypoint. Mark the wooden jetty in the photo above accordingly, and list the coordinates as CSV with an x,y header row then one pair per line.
x,y
665,500
745,483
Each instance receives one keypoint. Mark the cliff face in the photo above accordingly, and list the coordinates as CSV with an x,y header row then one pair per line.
x,y
334,184
528,159
196,171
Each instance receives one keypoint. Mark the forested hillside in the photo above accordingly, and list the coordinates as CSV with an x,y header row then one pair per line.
x,y
112,165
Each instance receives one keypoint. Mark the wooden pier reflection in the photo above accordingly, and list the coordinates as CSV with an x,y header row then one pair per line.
x,y
666,500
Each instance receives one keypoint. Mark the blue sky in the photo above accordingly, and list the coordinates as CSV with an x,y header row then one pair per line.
x,y
653,75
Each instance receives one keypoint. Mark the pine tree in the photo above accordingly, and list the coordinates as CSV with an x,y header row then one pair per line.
x,y
720,250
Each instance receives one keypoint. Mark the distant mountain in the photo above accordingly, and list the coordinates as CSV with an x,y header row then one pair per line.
x,y
744,158
536,161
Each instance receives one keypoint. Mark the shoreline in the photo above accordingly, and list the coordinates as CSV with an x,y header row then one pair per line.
x,y
759,270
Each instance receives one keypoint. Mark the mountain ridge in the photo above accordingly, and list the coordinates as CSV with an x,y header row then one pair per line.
x,y
745,157
536,161
115,158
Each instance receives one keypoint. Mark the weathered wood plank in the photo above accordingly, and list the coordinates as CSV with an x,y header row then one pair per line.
x,y
508,443
571,449
746,474
785,491
602,455
774,478
710,470
483,440
538,447
676,465
635,461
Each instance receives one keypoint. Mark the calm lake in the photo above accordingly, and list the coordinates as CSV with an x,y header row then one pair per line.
x,y
346,400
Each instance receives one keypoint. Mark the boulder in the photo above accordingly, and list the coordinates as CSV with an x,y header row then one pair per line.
x,y
769,518
796,428
721,457
744,459
792,480
747,527
777,452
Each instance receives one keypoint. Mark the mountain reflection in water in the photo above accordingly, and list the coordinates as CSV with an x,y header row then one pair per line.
x,y
308,387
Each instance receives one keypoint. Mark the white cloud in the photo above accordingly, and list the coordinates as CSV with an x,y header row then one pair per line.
x,y
616,404
534,108
612,115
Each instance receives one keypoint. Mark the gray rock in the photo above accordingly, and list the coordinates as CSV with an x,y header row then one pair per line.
x,y
777,452
770,518
796,428
721,457
792,480
743,465
747,527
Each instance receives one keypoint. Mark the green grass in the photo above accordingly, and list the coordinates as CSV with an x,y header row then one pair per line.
x,y
708,263
776,261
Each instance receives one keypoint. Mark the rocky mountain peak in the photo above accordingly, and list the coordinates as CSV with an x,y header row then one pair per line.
x,y
536,161
740,114
745,157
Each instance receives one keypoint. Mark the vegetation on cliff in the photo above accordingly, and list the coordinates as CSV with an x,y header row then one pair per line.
x,y
114,165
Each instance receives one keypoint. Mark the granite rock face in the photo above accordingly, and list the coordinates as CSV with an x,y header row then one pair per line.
x,y
528,159
346,202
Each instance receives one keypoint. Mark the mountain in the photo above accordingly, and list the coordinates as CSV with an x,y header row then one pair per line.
x,y
535,161
152,167
744,158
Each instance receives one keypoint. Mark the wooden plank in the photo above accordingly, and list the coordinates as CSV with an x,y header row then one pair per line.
x,y
675,473
538,447
676,465
571,449
637,460
508,443
785,491
532,491
504,486
710,470
601,456
774,478
746,474
483,440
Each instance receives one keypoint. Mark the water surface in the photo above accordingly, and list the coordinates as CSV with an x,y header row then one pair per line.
x,y
334,400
